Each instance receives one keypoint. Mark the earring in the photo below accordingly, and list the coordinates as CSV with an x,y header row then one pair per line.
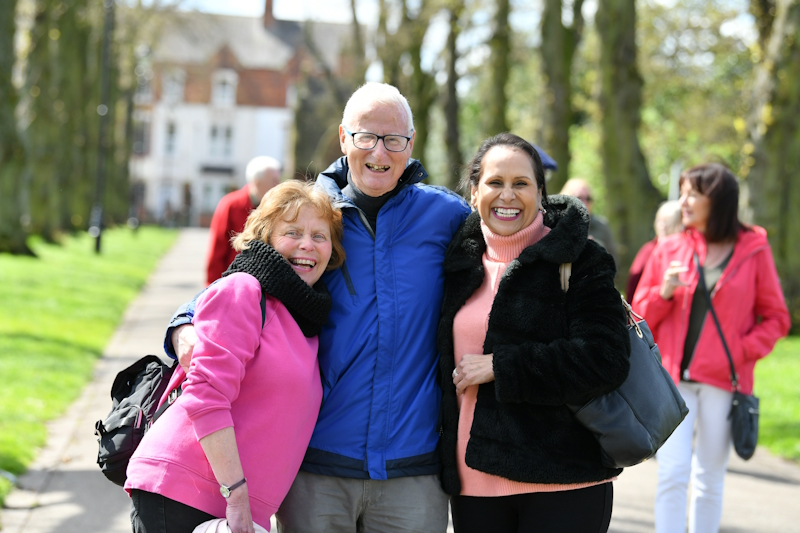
x,y
543,210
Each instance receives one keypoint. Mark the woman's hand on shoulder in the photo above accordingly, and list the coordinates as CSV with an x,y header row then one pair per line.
x,y
237,511
473,369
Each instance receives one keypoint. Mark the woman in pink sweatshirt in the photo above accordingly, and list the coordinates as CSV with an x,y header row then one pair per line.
x,y
232,443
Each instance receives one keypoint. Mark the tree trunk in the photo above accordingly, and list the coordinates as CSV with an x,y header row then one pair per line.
x,y
558,49
775,136
499,64
631,197
455,159
12,232
401,56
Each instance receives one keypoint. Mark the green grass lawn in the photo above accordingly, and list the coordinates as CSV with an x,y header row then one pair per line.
x,y
778,386
57,312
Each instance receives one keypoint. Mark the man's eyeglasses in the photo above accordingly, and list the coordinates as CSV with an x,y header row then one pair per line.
x,y
367,141
584,199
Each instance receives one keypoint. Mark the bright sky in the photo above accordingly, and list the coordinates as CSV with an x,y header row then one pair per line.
x,y
324,10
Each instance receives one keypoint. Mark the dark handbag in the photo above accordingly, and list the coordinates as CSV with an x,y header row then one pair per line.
x,y
744,407
632,422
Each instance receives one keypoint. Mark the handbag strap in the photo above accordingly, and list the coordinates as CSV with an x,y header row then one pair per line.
x,y
734,380
565,270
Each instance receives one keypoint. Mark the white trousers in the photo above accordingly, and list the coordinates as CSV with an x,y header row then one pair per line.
x,y
705,465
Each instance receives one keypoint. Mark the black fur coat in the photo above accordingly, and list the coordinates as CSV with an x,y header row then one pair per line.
x,y
550,348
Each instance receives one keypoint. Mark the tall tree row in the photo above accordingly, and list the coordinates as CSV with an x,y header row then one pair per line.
x,y
633,199
49,121
774,130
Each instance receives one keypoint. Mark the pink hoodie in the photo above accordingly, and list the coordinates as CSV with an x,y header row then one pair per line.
x,y
266,384
747,299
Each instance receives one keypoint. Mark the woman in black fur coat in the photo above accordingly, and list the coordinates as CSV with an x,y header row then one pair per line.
x,y
516,349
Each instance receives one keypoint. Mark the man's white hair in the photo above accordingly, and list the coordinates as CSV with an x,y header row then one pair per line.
x,y
258,165
374,92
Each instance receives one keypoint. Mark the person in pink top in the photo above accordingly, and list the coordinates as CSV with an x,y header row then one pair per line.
x,y
231,445
746,294
516,349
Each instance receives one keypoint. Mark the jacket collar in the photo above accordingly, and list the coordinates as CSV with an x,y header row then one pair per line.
x,y
334,178
747,243
566,217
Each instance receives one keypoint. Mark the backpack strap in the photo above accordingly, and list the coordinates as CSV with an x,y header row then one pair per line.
x,y
564,271
263,308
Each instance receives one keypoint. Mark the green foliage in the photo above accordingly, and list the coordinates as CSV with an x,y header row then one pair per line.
x,y
58,313
777,377
695,82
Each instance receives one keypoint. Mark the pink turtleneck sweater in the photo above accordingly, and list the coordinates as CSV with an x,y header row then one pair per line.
x,y
469,333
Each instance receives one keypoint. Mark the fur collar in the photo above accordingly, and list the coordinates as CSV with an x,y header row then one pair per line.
x,y
566,217
309,306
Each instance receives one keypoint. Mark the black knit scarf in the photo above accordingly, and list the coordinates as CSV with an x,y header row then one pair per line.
x,y
309,306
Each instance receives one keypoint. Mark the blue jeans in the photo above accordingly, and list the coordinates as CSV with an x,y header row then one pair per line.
x,y
153,513
326,504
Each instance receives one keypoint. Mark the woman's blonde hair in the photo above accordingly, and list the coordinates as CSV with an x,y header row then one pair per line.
x,y
283,202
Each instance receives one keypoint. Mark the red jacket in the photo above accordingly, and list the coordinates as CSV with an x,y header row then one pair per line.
x,y
229,218
747,298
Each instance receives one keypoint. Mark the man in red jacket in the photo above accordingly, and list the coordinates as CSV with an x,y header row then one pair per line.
x,y
263,173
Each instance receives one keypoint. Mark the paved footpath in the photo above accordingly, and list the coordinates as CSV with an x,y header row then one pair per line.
x,y
64,491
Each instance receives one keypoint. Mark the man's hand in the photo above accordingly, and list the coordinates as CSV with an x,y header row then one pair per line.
x,y
183,340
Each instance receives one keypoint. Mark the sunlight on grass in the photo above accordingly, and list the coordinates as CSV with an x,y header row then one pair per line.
x,y
58,312
777,379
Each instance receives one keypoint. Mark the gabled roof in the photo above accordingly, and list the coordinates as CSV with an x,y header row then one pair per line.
x,y
193,38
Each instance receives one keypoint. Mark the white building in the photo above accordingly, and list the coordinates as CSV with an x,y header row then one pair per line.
x,y
218,90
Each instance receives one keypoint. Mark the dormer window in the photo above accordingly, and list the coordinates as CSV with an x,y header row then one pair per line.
x,y
223,89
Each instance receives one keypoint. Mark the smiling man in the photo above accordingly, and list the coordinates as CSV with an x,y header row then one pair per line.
x,y
372,465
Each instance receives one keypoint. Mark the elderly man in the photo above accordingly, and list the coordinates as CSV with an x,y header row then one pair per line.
x,y
372,464
262,173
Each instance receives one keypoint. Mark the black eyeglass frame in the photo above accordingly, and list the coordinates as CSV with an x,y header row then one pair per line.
x,y
377,138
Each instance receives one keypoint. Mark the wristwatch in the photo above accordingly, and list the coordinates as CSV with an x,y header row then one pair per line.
x,y
226,491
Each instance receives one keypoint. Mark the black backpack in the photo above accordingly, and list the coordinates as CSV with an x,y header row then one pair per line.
x,y
135,395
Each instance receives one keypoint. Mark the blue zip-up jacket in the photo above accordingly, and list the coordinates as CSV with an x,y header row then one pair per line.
x,y
377,352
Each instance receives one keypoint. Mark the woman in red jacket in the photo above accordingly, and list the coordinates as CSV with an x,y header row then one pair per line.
x,y
740,274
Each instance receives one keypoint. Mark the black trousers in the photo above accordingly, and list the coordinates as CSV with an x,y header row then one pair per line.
x,y
153,513
571,511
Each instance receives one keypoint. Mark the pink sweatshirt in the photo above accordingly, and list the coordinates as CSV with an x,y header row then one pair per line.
x,y
265,384
469,334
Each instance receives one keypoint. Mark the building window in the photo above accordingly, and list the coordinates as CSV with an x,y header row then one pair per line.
x,y
227,147
169,147
214,141
172,86
221,142
223,89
